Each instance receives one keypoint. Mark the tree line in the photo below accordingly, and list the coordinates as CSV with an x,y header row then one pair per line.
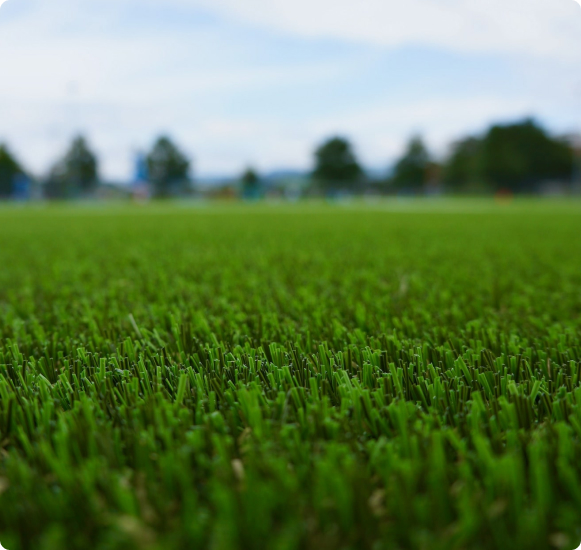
x,y
517,157
76,174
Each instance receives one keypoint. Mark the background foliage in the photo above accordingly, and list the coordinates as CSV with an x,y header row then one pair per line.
x,y
76,174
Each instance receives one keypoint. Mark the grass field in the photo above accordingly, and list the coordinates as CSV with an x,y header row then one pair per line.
x,y
395,375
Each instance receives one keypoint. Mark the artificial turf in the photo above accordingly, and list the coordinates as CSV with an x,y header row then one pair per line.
x,y
394,375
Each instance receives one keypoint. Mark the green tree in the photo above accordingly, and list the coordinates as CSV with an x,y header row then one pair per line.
x,y
76,174
463,168
336,166
522,155
168,169
411,170
9,169
250,181
516,156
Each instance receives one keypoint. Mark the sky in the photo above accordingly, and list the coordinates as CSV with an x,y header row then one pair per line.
x,y
263,82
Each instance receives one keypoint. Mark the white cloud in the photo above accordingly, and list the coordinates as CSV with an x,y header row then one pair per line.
x,y
537,27
531,27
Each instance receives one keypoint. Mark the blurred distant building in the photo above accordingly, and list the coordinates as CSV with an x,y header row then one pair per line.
x,y
22,187
140,186
286,184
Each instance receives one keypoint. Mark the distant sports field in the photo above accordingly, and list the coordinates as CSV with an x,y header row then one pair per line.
x,y
389,375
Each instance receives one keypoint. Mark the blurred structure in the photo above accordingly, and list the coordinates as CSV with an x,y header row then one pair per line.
x,y
140,187
22,187
286,184
226,190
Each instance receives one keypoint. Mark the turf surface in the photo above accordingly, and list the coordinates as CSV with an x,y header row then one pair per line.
x,y
398,375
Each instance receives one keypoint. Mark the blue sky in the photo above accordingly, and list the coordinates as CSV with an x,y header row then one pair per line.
x,y
261,82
